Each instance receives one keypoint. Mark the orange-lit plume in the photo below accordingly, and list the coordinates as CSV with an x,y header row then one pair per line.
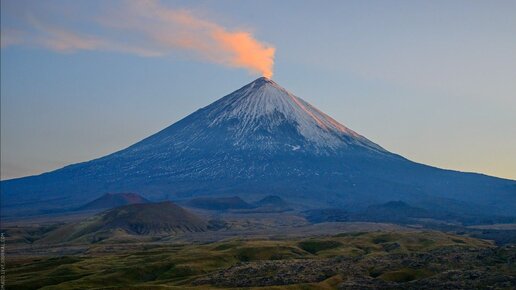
x,y
146,28
247,52
209,40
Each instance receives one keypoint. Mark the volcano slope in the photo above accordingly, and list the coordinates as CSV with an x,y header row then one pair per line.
x,y
261,140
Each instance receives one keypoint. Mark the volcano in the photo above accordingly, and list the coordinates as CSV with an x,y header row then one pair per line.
x,y
257,141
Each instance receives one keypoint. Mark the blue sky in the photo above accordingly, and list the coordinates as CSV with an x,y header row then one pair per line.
x,y
434,81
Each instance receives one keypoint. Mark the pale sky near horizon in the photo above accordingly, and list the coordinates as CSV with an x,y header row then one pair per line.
x,y
434,81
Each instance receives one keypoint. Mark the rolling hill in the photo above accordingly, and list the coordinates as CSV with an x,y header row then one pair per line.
x,y
148,219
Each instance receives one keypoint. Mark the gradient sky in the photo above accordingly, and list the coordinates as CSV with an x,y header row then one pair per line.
x,y
434,81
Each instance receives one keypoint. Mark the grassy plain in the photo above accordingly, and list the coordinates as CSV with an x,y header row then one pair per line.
x,y
380,259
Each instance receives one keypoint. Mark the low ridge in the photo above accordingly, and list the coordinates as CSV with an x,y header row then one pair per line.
x,y
219,203
272,201
112,200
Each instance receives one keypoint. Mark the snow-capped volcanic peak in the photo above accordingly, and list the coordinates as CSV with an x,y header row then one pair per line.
x,y
264,103
260,140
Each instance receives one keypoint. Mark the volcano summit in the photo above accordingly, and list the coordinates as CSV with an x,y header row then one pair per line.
x,y
257,141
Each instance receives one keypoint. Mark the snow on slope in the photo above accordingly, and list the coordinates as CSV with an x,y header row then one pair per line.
x,y
264,102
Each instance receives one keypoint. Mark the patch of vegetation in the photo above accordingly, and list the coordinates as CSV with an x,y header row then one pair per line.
x,y
225,246
459,241
255,253
352,234
382,239
375,272
404,275
389,247
315,246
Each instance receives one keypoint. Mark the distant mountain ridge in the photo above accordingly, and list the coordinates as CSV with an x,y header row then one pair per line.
x,y
261,140
219,203
112,200
272,201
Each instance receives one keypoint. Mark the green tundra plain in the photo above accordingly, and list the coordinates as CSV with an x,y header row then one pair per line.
x,y
382,259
